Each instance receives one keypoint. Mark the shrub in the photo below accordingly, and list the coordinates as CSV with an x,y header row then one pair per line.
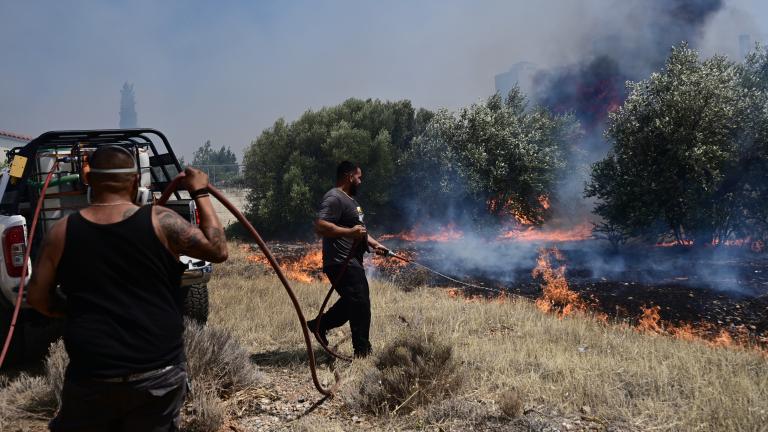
x,y
217,359
204,411
412,371
510,403
55,366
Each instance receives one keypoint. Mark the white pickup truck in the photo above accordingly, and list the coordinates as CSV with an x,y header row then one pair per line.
x,y
20,188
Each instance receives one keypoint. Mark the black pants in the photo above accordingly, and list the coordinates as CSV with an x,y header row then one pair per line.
x,y
354,305
149,404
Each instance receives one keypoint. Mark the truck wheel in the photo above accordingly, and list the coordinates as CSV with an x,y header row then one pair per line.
x,y
196,303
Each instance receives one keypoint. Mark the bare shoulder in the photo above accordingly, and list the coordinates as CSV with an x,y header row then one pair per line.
x,y
58,231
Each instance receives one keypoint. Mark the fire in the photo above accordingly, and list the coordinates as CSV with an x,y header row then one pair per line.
x,y
651,320
532,234
446,233
737,336
508,207
757,246
305,268
556,296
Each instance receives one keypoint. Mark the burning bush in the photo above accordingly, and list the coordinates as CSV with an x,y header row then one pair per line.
x,y
494,157
410,372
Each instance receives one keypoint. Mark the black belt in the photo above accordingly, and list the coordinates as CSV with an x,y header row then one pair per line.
x,y
136,376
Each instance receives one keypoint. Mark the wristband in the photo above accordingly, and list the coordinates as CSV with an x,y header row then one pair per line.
x,y
199,193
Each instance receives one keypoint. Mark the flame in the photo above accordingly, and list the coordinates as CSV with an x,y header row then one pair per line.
x,y
556,295
392,265
651,320
508,207
736,336
446,233
302,269
532,234
757,246
544,202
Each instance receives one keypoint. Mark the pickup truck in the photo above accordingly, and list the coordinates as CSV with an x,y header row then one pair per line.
x,y
20,188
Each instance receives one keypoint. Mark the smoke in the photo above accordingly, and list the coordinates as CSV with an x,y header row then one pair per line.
x,y
626,45
621,41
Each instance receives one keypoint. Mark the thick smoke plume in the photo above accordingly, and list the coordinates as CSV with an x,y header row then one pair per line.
x,y
632,46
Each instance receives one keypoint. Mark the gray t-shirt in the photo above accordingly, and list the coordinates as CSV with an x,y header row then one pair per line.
x,y
342,210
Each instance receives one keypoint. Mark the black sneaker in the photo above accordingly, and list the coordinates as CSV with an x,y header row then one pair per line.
x,y
319,335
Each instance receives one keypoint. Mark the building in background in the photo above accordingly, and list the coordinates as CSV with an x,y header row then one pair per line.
x,y
9,140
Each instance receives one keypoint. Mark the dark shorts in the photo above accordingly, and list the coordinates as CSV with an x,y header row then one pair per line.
x,y
147,404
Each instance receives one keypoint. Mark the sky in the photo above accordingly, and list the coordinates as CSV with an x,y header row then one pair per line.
x,y
226,70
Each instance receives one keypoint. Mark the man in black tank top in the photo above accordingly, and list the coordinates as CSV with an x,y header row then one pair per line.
x,y
340,222
118,265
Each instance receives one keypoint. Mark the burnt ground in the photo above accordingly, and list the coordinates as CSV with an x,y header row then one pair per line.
x,y
719,288
712,289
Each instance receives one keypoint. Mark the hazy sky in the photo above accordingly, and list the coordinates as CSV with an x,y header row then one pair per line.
x,y
226,70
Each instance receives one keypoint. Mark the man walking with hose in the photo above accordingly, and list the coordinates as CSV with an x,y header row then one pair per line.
x,y
341,223
118,265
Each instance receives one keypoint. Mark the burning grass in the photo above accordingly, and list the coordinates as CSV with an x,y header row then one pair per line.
x,y
622,376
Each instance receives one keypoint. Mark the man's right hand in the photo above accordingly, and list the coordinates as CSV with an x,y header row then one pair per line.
x,y
358,232
194,179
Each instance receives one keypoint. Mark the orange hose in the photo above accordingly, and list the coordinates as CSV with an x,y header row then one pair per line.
x,y
268,254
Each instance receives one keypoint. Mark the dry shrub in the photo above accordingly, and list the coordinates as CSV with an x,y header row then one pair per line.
x,y
25,397
55,366
510,403
412,371
204,411
34,396
217,360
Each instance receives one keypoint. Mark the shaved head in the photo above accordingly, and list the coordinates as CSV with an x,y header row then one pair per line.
x,y
112,157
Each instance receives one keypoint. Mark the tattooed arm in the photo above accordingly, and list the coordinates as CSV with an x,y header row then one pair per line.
x,y
181,237
43,281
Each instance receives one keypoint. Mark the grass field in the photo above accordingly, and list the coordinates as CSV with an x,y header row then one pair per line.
x,y
572,365
507,366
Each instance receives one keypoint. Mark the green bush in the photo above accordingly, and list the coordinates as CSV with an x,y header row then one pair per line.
x,y
689,152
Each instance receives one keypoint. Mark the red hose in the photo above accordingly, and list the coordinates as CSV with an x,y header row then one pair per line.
x,y
173,186
20,295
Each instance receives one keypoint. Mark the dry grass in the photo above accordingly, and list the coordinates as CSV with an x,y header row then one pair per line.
x,y
218,367
204,410
566,364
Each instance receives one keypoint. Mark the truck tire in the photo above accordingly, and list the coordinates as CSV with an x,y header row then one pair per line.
x,y
196,303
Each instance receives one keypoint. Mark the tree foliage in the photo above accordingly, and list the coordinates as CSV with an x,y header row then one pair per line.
x,y
220,165
291,165
689,151
416,164
497,157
